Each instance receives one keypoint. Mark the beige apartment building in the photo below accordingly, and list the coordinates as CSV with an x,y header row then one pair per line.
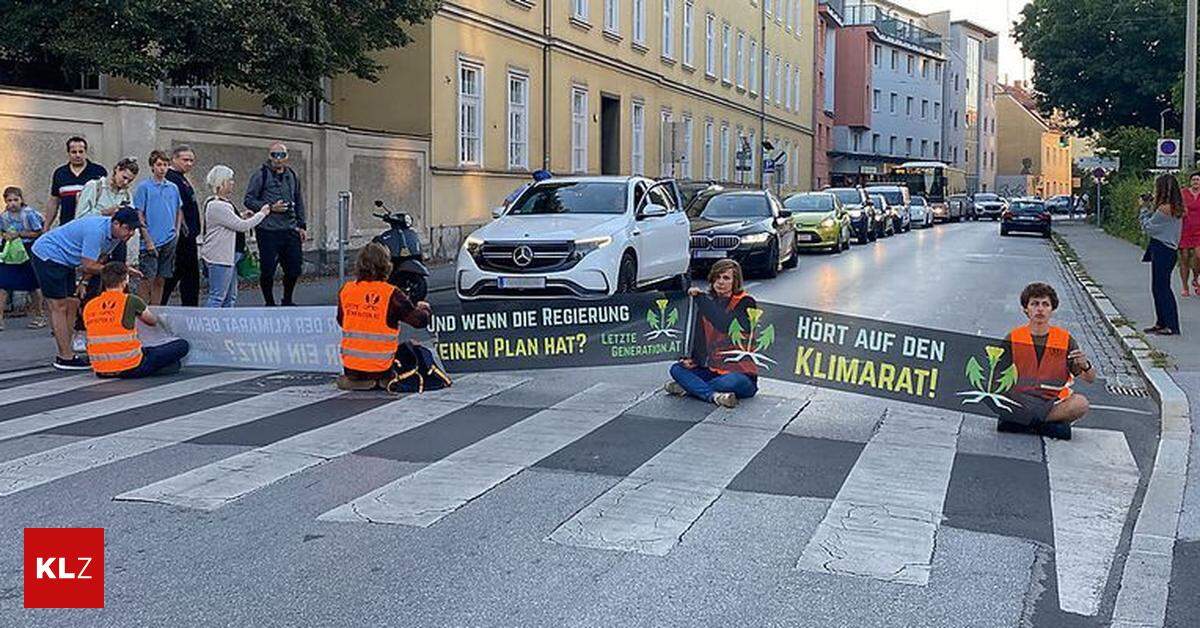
x,y
1034,155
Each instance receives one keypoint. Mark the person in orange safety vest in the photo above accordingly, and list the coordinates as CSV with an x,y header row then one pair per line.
x,y
1048,360
112,341
370,311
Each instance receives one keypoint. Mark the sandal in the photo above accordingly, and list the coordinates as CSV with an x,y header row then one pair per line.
x,y
36,323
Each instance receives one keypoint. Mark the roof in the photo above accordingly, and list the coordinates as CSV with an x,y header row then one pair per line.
x,y
1025,99
976,27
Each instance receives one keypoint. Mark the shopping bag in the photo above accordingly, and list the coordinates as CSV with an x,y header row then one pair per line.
x,y
14,252
247,267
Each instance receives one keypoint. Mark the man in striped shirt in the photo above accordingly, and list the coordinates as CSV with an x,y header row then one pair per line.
x,y
68,180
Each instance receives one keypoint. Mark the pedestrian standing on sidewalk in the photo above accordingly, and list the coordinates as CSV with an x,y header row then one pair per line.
x,y
280,236
113,346
23,224
222,226
187,262
1189,238
705,374
1163,222
68,181
162,212
104,196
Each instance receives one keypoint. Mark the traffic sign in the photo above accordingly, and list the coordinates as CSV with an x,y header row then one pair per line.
x,y
1168,153
1091,163
768,166
1098,174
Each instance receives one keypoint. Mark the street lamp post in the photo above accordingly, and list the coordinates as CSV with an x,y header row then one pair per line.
x,y
1162,122
1189,90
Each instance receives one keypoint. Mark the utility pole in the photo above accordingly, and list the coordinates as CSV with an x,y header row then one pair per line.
x,y
1189,91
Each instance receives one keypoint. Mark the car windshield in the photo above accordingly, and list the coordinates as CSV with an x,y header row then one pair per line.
x,y
848,196
726,206
1026,207
572,197
986,198
809,203
917,200
893,197
879,200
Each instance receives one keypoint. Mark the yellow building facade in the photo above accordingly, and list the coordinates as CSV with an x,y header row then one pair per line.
x,y
1033,158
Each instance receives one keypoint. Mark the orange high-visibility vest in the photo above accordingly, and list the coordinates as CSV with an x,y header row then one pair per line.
x,y
1050,377
717,341
111,347
368,344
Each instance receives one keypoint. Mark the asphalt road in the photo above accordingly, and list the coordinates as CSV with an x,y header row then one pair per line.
x,y
585,497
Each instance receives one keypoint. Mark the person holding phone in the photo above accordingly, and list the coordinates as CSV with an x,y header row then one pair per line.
x,y
281,236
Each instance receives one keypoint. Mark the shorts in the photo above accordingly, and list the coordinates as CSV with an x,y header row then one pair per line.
x,y
160,263
56,280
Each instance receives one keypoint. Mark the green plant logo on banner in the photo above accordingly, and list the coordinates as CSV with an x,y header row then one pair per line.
x,y
662,322
751,343
992,388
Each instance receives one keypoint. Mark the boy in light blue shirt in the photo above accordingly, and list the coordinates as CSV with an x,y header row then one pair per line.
x,y
161,207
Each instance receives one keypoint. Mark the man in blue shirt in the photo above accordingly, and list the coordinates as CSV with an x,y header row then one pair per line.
x,y
82,243
161,207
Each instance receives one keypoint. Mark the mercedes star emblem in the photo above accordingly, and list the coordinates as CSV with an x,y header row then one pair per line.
x,y
523,256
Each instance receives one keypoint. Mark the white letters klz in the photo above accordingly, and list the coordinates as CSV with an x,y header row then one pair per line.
x,y
45,568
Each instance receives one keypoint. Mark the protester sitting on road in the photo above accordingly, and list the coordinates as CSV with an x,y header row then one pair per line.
x,y
20,225
707,374
82,243
113,345
162,213
370,311
221,228
1163,223
1048,360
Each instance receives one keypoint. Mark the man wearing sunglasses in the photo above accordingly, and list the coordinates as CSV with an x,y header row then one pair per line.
x,y
280,236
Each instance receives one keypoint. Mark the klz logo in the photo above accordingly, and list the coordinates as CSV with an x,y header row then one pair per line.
x,y
64,567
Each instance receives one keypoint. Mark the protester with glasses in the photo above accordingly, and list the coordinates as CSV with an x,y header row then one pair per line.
x,y
276,186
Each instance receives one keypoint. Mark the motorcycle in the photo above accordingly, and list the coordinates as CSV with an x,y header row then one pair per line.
x,y
409,272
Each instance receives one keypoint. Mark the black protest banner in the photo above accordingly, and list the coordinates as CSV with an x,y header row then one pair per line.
x,y
513,335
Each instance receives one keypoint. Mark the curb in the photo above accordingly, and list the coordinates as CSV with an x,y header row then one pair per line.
x,y
1145,580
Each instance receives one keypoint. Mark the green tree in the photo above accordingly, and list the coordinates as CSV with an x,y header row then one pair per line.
x,y
1136,146
1104,64
278,48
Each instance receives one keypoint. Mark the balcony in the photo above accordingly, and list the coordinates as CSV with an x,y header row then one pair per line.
x,y
893,28
837,7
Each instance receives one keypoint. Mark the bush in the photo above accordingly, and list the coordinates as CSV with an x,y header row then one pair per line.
x,y
1121,204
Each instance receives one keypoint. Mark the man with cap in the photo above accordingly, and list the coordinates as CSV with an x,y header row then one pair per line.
x,y
85,244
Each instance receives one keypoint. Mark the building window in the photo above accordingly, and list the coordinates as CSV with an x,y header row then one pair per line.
x,y
877,55
685,157
777,87
668,29
875,143
925,68
470,113
612,16
908,106
910,65
789,16
766,70
689,45
708,150
638,157
190,96
579,9
740,54
639,22
725,155
579,129
666,142
855,140
937,72
895,59
924,108
754,156
518,121
908,145
875,100
937,111
796,89
892,145
787,86
924,147
894,102
753,65
937,149
710,45
726,53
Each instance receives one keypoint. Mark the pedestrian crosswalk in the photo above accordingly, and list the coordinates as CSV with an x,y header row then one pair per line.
x,y
882,524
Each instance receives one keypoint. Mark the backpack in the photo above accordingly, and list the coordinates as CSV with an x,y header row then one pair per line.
x,y
416,371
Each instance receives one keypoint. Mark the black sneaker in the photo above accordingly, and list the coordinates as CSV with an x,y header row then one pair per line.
x,y
1061,431
1012,427
76,363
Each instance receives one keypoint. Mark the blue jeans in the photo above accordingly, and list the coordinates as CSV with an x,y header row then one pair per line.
x,y
164,357
222,285
702,382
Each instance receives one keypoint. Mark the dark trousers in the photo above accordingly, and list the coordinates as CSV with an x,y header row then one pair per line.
x,y
187,274
1162,266
162,359
283,248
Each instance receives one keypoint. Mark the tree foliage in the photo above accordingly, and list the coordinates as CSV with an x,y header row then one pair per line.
x,y
278,48
1136,146
1104,64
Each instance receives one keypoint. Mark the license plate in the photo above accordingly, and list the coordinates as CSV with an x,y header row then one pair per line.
x,y
710,254
1026,218
522,282
806,237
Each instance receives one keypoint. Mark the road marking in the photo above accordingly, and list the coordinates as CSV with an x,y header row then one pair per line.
x,y
25,373
54,464
435,491
649,511
214,485
49,387
1093,478
1122,409
84,411
883,521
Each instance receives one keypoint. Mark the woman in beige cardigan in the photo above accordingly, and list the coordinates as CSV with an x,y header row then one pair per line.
x,y
221,226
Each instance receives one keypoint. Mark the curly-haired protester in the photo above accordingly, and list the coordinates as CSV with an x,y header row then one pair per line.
x,y
709,373
112,339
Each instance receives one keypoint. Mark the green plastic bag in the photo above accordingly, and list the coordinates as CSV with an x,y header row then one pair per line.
x,y
14,252
247,267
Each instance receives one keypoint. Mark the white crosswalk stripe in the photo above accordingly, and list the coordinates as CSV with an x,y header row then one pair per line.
x,y
49,388
25,373
54,464
427,496
92,409
214,485
650,510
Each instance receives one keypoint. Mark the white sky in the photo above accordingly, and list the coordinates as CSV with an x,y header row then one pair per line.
x,y
996,15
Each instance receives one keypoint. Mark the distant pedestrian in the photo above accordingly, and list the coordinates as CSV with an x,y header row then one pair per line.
x,y
22,224
187,261
1163,221
281,235
1189,238
162,212
218,248
114,349
68,181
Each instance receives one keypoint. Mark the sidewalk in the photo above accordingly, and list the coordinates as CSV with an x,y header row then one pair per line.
x,y
323,290
1116,266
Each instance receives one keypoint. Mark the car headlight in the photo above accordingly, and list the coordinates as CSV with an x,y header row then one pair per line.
x,y
587,245
757,238
473,245
827,223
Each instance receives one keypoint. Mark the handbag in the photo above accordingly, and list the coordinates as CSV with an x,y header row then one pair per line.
x,y
14,252
248,267
416,370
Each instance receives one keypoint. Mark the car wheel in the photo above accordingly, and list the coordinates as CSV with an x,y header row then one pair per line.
x,y
863,237
771,270
627,275
794,259
1046,234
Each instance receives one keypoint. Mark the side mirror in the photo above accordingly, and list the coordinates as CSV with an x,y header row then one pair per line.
x,y
652,210
497,212
785,213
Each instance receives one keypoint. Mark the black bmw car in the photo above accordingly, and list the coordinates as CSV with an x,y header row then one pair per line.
x,y
1026,215
750,226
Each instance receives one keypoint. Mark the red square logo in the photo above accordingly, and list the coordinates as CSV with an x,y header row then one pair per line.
x,y
64,567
